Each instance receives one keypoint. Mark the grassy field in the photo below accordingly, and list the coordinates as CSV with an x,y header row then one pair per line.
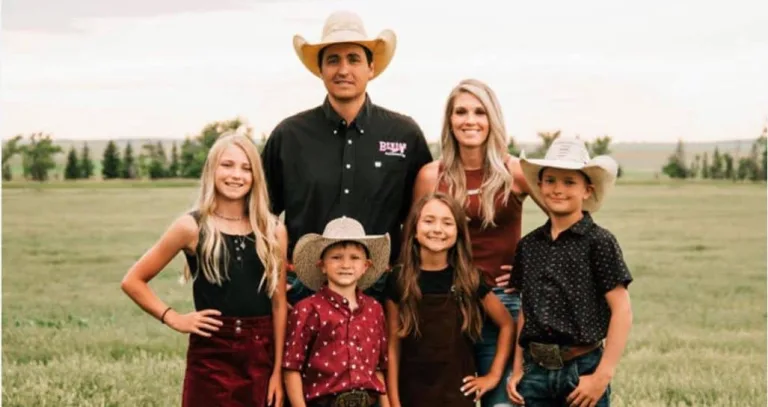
x,y
71,338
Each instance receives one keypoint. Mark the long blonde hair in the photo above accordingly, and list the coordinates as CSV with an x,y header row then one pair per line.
x,y
212,251
466,278
497,177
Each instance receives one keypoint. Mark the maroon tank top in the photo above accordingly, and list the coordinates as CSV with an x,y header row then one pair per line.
x,y
493,246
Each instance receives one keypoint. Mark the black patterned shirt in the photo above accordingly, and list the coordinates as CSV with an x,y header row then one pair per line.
x,y
563,282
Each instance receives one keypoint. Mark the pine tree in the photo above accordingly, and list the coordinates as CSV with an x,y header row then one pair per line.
x,y
729,170
72,170
705,166
86,164
716,171
110,164
173,168
128,169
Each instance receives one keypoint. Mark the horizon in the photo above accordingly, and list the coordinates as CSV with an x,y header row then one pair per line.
x,y
163,71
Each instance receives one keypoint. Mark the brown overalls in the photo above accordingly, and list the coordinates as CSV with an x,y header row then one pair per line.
x,y
432,367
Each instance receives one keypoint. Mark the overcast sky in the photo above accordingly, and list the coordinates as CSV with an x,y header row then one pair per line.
x,y
648,70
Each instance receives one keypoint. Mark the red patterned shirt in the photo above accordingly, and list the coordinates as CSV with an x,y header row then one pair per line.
x,y
335,348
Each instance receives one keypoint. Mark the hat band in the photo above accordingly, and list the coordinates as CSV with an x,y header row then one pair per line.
x,y
345,36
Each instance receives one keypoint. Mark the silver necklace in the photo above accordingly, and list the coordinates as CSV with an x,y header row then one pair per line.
x,y
218,215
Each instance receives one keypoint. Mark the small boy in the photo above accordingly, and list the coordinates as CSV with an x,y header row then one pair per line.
x,y
336,342
573,283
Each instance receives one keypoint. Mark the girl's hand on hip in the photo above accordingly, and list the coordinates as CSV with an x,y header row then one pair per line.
x,y
479,385
195,322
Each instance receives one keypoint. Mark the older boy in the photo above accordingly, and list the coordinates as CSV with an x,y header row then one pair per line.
x,y
573,283
336,345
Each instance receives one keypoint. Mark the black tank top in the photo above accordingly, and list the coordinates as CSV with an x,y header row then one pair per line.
x,y
238,296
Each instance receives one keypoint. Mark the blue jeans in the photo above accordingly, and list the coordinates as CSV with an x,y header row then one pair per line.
x,y
541,387
485,350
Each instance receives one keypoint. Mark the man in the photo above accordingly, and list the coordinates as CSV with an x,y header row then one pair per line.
x,y
348,156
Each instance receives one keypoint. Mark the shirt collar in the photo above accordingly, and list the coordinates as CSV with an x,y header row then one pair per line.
x,y
581,227
361,122
337,299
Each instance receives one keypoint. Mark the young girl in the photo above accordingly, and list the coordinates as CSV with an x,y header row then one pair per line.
x,y
235,253
433,306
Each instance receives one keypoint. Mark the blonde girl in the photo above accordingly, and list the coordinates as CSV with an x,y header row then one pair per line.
x,y
235,257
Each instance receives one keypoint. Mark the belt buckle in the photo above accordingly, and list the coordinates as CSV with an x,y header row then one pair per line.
x,y
351,399
546,355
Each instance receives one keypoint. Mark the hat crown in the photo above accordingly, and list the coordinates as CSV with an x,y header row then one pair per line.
x,y
343,21
344,228
568,149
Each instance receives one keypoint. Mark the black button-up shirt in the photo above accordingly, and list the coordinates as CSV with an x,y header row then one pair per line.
x,y
318,167
563,282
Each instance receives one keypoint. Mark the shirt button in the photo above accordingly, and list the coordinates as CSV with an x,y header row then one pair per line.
x,y
349,141
362,131
346,191
349,166
335,132
343,122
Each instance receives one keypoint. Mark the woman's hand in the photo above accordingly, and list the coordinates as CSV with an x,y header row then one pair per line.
x,y
502,281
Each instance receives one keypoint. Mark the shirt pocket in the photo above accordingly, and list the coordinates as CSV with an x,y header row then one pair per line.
x,y
387,179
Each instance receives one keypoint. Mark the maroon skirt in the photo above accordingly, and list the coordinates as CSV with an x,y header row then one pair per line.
x,y
231,368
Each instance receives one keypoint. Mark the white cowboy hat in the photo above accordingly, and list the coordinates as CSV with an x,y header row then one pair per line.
x,y
347,27
571,154
310,247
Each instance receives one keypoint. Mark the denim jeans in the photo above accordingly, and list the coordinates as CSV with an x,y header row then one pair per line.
x,y
541,387
485,350
299,291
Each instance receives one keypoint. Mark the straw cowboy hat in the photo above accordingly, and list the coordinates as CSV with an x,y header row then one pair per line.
x,y
347,27
571,154
309,248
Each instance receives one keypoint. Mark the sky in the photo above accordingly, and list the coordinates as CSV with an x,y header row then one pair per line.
x,y
654,70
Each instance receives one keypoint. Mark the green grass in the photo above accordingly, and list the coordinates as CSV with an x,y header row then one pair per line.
x,y
71,338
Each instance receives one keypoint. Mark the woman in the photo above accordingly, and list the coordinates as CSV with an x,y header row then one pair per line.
x,y
476,169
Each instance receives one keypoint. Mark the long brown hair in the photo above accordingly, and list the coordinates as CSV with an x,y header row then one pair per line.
x,y
466,278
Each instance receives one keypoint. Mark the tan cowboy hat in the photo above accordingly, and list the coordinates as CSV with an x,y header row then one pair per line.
x,y
347,27
571,154
309,248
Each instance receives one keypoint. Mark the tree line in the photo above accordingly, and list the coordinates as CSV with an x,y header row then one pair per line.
x,y
150,161
721,165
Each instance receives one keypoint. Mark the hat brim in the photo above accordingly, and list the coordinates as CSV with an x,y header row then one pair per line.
x,y
382,47
309,248
601,170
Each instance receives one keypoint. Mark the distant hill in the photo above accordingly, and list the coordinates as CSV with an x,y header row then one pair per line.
x,y
646,158
651,157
